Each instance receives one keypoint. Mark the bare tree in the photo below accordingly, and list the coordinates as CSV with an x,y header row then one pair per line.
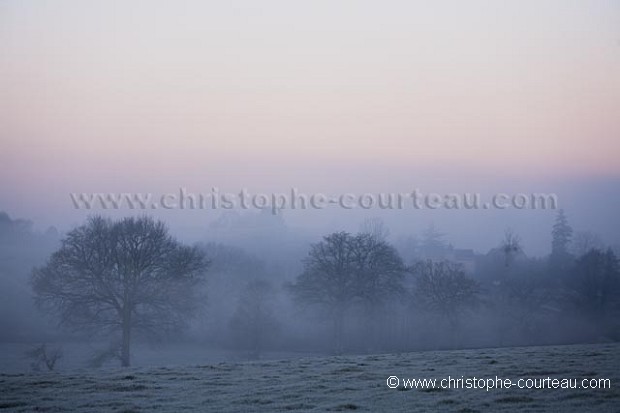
x,y
511,246
521,303
120,276
344,270
585,241
44,356
441,287
379,279
376,228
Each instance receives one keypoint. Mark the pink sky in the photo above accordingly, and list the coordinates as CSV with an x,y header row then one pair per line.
x,y
150,95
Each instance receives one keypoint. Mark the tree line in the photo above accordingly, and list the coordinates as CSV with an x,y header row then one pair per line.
x,y
355,293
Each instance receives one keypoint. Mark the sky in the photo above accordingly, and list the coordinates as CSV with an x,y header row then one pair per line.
x,y
328,96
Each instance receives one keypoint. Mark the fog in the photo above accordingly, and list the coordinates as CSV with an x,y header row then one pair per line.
x,y
247,306
323,110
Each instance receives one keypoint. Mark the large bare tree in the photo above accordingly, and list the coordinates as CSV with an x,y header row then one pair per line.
x,y
120,277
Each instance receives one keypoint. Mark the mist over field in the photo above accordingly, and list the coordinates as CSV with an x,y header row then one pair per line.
x,y
329,200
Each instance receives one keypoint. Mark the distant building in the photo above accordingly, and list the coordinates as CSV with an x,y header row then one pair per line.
x,y
465,257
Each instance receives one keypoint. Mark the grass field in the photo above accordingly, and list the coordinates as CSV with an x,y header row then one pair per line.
x,y
330,384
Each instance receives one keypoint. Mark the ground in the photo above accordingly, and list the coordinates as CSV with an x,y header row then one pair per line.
x,y
329,384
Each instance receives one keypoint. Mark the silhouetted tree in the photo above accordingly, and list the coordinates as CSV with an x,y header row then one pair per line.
x,y
511,246
561,233
596,282
379,276
521,301
344,270
441,287
121,276
44,356
379,270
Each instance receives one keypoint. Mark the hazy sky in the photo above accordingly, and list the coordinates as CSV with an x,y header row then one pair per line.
x,y
323,95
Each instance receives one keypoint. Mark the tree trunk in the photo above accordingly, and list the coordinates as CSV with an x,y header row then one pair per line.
x,y
125,358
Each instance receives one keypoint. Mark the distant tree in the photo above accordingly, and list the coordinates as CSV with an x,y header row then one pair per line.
x,y
511,246
561,234
344,270
441,287
433,245
120,276
584,241
21,248
596,284
376,228
44,356
379,276
231,269
408,247
254,321
13,227
379,270
521,302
